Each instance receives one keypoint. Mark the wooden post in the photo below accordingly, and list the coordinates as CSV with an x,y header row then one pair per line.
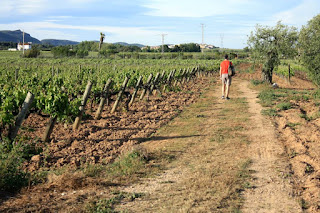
x,y
123,87
146,86
105,94
184,76
16,75
49,129
82,106
289,73
156,79
139,82
166,83
22,114
52,70
176,80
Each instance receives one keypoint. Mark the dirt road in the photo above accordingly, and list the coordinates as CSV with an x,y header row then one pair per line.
x,y
229,159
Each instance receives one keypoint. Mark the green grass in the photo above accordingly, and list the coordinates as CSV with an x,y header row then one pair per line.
x,y
270,112
284,106
107,205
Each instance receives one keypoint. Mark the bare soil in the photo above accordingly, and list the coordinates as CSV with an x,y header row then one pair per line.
x,y
223,156
297,130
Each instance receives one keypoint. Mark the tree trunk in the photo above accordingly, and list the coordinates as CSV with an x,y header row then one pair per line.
x,y
267,75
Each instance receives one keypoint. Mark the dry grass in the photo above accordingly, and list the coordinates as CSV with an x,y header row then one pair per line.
x,y
210,169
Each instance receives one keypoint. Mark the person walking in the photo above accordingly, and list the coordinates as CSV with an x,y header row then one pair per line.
x,y
225,78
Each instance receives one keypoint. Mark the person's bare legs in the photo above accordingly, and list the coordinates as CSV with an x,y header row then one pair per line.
x,y
227,91
223,87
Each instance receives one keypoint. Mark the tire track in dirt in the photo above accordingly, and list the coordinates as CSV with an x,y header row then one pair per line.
x,y
270,191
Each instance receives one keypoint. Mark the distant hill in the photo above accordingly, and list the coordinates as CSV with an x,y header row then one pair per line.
x,y
126,44
57,42
16,36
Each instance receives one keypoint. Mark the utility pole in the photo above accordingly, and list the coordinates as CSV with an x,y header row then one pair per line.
x,y
221,37
202,29
163,35
23,42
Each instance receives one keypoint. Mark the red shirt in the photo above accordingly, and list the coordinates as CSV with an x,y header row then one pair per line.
x,y
224,66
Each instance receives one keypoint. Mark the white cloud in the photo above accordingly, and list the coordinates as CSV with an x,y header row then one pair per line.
x,y
299,15
44,30
22,7
199,8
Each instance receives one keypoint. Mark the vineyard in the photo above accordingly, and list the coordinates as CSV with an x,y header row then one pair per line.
x,y
73,126
41,97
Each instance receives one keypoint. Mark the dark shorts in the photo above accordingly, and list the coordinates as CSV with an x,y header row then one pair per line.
x,y
226,79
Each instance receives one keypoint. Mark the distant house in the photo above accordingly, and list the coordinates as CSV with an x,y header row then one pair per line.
x,y
25,46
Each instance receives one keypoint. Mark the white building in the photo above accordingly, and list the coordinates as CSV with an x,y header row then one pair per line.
x,y
25,46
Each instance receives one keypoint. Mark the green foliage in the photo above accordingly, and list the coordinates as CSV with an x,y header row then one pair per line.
x,y
128,164
309,43
107,205
270,112
33,53
284,106
257,82
270,44
267,97
12,155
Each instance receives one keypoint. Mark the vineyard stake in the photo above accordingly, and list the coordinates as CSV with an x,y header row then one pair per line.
x,y
124,85
103,99
16,74
49,129
146,86
22,114
289,73
82,106
139,82
156,79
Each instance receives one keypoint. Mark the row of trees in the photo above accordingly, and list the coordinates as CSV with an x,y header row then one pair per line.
x,y
271,44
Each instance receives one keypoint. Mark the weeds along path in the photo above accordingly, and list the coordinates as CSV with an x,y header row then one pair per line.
x,y
270,190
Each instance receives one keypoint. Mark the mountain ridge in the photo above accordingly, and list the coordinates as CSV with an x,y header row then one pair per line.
x,y
17,36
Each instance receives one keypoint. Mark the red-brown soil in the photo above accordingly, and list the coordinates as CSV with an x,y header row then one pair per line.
x,y
96,142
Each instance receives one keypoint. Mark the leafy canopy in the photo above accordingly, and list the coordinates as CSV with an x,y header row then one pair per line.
x,y
309,44
270,44
280,40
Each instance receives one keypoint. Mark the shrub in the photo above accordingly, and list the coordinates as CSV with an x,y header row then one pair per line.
x,y
62,51
12,178
33,53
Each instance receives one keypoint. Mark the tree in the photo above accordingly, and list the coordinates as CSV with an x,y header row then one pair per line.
x,y
309,45
270,44
101,40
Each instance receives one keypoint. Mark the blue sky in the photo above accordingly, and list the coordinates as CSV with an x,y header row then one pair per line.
x,y
227,23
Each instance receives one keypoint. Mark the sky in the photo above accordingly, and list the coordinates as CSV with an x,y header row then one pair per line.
x,y
226,23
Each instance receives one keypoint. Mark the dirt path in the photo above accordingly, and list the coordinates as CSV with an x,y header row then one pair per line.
x,y
216,150
271,191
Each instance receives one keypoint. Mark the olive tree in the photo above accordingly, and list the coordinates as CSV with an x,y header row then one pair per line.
x,y
309,45
270,44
